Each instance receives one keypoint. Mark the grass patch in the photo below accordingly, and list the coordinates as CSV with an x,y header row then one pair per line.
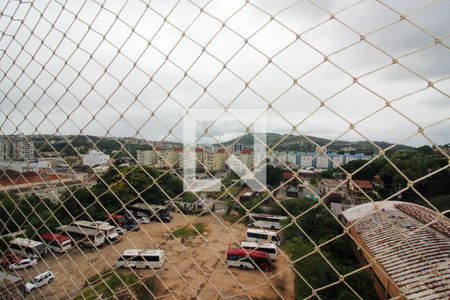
x,y
231,218
107,283
189,230
226,194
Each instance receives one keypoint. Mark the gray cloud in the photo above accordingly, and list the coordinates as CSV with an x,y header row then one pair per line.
x,y
104,68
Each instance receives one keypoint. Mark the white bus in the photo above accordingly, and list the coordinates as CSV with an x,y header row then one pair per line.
x,y
263,236
141,258
243,259
265,221
84,236
56,242
28,248
269,248
108,230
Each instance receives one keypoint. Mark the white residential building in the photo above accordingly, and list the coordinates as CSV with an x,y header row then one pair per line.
x,y
338,160
313,159
147,157
306,160
16,147
322,161
291,158
215,161
95,158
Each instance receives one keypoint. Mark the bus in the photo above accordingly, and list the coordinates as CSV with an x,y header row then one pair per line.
x,y
269,248
265,221
28,248
57,242
108,230
141,258
84,236
244,259
151,211
263,236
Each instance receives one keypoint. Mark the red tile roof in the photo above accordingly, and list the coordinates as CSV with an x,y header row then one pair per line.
x,y
27,179
363,184
412,252
287,175
378,179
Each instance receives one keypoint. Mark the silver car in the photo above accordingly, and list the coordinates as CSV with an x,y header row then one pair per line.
x,y
23,264
39,281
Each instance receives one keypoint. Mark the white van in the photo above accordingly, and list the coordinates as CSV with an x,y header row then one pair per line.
x,y
269,248
141,258
263,236
28,248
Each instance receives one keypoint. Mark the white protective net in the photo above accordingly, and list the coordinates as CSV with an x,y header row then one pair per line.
x,y
94,101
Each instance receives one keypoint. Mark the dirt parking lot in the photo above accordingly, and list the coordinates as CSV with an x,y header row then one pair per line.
x,y
194,268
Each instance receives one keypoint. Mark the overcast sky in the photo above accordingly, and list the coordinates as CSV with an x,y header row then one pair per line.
x,y
131,69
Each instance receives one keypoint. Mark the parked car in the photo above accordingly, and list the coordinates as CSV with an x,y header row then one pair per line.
x,y
120,230
130,223
144,220
39,281
23,264
9,259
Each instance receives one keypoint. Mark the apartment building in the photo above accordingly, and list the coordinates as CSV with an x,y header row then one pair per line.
x,y
95,158
313,159
210,160
215,161
147,157
16,147
169,158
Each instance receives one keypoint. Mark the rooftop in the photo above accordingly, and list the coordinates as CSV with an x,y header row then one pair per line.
x,y
363,184
135,252
413,252
28,179
54,236
331,182
287,175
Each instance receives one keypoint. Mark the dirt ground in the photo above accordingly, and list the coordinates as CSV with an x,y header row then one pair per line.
x,y
194,268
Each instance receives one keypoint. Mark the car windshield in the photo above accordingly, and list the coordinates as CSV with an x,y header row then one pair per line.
x,y
34,280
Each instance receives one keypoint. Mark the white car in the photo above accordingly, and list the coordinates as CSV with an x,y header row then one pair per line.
x,y
144,220
39,280
120,230
23,264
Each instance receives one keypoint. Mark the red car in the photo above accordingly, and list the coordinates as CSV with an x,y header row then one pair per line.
x,y
9,259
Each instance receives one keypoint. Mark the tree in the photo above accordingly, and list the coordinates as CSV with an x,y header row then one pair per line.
x,y
273,175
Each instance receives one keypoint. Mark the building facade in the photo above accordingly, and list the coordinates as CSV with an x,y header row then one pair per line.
x,y
95,158
313,159
16,147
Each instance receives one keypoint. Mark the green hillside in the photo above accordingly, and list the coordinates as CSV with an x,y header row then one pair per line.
x,y
291,142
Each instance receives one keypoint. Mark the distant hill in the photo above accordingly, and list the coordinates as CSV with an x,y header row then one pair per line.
x,y
73,144
291,142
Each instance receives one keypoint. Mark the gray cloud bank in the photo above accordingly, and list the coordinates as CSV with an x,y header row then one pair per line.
x,y
125,68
